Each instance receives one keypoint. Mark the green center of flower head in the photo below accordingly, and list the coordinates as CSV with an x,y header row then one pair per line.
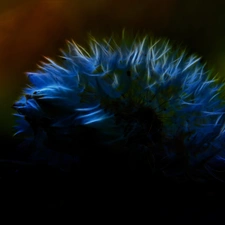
x,y
142,94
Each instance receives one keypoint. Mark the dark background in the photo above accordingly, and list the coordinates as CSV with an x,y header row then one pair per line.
x,y
31,29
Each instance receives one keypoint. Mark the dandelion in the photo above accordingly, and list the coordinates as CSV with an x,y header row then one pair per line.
x,y
141,95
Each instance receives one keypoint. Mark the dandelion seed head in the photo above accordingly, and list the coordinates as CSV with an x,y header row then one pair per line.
x,y
142,93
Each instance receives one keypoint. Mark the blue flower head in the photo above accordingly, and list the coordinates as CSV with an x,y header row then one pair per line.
x,y
143,96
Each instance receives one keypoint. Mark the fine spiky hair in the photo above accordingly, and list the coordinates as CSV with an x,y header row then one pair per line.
x,y
142,95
